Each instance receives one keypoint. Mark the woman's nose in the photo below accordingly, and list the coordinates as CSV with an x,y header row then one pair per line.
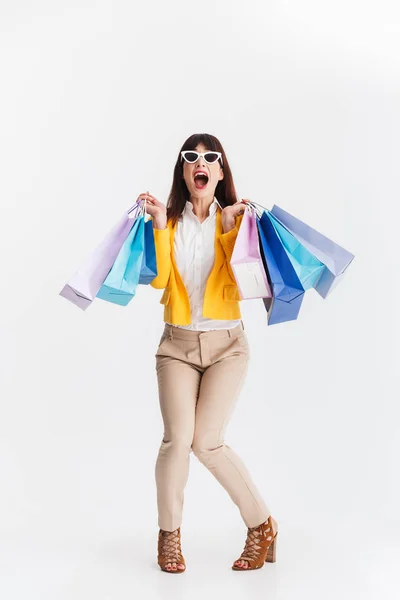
x,y
200,163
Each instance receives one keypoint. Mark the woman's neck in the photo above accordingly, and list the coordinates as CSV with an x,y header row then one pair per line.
x,y
201,207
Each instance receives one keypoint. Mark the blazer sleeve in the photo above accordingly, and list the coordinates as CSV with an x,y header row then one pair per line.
x,y
162,242
228,241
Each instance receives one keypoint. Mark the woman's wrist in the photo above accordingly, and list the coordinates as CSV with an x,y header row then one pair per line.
x,y
160,222
228,226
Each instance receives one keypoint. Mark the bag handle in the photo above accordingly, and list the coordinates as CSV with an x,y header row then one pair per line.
x,y
249,204
140,208
143,208
253,206
133,207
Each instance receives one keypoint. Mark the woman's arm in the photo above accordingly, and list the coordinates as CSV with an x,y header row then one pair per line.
x,y
231,219
163,257
228,239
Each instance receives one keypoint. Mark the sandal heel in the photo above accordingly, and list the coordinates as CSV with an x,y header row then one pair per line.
x,y
271,553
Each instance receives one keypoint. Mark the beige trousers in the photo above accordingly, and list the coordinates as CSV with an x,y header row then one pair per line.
x,y
200,375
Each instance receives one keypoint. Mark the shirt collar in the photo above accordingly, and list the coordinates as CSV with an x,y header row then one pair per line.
x,y
212,210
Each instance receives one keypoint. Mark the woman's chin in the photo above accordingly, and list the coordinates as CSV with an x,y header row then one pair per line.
x,y
202,192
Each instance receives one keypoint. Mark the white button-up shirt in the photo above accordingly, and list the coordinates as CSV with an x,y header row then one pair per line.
x,y
194,248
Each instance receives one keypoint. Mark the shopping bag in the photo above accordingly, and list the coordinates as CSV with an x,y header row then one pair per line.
x,y
148,270
335,258
120,285
306,265
83,286
246,262
287,289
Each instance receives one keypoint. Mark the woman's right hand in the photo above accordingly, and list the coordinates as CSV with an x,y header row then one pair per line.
x,y
155,209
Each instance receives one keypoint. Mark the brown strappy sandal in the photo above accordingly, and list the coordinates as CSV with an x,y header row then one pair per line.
x,y
260,546
169,551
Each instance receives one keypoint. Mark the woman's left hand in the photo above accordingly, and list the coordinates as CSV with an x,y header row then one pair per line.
x,y
229,214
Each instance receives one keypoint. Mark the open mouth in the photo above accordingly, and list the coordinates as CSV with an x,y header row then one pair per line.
x,y
200,181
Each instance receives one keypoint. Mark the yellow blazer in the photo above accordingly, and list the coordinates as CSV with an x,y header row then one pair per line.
x,y
221,296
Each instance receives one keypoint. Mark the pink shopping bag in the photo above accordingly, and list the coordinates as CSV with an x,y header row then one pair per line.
x,y
246,262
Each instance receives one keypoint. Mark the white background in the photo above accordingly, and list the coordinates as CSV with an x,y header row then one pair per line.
x,y
97,99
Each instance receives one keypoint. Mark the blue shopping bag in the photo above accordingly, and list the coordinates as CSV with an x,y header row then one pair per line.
x,y
148,270
308,268
119,287
288,291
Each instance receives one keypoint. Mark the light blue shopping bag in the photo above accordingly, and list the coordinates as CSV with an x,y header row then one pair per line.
x,y
119,287
308,268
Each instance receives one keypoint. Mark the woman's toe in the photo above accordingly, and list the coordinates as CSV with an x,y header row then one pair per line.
x,y
238,562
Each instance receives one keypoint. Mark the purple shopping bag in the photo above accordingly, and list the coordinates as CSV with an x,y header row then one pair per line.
x,y
335,258
83,286
246,261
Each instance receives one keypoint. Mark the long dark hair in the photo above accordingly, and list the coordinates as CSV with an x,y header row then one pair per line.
x,y
224,192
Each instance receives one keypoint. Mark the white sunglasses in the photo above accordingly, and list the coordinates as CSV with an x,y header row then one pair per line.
x,y
210,157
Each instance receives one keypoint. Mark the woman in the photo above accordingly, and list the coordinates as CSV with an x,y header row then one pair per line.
x,y
203,354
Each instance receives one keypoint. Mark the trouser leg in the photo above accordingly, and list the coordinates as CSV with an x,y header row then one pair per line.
x,y
219,389
178,384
